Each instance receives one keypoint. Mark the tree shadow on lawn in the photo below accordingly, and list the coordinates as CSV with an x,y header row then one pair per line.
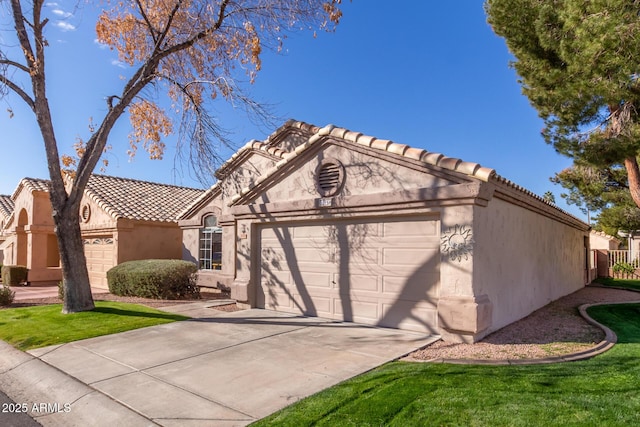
x,y
134,313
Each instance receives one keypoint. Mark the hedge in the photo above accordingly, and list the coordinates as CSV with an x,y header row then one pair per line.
x,y
154,278
14,274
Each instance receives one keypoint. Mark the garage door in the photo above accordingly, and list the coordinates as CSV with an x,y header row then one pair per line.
x,y
99,252
376,272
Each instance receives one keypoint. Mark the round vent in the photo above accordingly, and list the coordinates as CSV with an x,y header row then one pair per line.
x,y
85,213
330,177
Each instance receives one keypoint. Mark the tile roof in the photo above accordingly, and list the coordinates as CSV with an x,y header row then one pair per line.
x,y
434,159
6,206
439,160
605,235
139,200
31,184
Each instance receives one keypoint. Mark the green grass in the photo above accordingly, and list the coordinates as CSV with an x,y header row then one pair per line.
x,y
32,327
619,283
603,391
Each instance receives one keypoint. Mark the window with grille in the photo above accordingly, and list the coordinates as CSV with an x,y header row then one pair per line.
x,y
210,256
329,178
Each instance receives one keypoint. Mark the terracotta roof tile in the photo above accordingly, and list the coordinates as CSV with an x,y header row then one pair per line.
x,y
6,206
198,202
474,170
140,200
605,235
31,184
434,159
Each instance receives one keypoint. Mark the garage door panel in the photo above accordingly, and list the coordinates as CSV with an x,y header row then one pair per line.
x,y
416,288
360,282
364,256
317,280
390,274
406,256
359,311
313,255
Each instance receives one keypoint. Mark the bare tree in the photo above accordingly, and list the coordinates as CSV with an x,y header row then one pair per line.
x,y
191,48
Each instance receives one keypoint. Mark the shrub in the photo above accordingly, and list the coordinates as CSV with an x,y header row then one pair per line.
x,y
154,278
14,274
61,290
6,295
623,267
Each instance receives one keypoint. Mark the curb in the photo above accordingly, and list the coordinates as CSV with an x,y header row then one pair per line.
x,y
606,344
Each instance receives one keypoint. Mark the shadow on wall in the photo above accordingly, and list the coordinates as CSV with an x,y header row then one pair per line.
x,y
284,273
188,256
348,257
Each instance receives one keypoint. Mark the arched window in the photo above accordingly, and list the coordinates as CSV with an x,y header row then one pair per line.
x,y
211,244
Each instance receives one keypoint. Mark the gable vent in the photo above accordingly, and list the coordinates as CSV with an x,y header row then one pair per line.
x,y
330,178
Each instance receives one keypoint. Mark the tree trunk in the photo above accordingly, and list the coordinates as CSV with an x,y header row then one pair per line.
x,y
633,173
75,276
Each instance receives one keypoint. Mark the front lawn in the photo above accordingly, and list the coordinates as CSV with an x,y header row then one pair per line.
x,y
596,392
619,283
32,327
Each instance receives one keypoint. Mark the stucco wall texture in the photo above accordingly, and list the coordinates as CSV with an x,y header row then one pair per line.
x,y
503,252
523,260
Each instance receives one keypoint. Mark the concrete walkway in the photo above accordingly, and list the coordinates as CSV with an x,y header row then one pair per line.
x,y
222,369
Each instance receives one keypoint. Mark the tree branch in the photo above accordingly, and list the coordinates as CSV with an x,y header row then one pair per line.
x,y
152,30
21,31
21,93
167,27
11,63
199,36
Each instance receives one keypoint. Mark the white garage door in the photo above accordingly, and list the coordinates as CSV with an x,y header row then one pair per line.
x,y
99,252
375,272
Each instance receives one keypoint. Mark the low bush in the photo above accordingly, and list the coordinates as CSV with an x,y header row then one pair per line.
x,y
154,278
14,274
6,295
623,267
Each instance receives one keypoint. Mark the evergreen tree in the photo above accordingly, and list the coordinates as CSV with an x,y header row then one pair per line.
x,y
579,65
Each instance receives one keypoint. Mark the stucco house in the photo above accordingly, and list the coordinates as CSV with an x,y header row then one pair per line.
x,y
6,209
121,220
333,223
602,241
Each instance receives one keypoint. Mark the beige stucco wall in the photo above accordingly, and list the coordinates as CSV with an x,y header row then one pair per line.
x,y
32,241
191,241
523,260
244,175
99,221
146,240
602,241
365,173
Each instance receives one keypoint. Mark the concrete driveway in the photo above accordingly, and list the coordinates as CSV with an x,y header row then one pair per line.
x,y
222,369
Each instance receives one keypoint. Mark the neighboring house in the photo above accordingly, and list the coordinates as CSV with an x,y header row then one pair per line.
x,y
332,223
601,244
600,240
6,210
121,220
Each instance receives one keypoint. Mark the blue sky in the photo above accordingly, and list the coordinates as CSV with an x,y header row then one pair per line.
x,y
428,74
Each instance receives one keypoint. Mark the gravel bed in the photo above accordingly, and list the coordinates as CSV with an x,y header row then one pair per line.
x,y
554,330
